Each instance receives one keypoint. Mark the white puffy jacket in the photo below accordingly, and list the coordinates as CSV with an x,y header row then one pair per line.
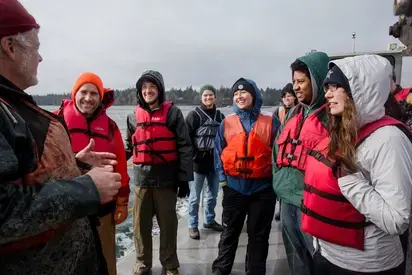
x,y
382,190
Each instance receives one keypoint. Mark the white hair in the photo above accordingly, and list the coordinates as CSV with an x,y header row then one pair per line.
x,y
24,38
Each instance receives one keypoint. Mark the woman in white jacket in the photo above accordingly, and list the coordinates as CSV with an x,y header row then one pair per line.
x,y
357,198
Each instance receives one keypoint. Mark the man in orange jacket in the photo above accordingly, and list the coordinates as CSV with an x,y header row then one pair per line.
x,y
89,126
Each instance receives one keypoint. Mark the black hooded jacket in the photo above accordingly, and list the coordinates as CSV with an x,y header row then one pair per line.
x,y
203,162
161,175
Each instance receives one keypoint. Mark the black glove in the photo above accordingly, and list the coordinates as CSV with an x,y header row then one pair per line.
x,y
184,190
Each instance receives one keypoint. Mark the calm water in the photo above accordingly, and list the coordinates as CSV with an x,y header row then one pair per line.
x,y
124,231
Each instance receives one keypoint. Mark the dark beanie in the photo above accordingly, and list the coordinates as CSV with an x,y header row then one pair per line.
x,y
207,87
14,18
337,77
243,84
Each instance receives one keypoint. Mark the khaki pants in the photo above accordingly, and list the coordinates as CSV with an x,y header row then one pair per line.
x,y
107,232
162,203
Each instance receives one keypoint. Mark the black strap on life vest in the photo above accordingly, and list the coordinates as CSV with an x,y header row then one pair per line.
x,y
89,133
150,123
320,157
151,151
153,140
243,161
329,196
338,223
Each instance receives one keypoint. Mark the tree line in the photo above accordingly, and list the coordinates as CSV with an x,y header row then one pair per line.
x,y
188,96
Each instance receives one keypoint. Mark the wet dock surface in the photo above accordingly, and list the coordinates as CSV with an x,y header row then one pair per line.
x,y
196,256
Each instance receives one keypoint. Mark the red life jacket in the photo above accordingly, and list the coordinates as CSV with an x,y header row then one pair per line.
x,y
153,142
326,213
402,94
248,155
81,131
298,136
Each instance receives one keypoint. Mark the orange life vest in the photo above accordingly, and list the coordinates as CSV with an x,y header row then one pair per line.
x,y
282,115
298,136
248,156
49,167
326,213
81,131
153,142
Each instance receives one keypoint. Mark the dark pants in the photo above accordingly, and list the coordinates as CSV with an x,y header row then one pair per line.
x,y
324,267
298,244
260,208
404,241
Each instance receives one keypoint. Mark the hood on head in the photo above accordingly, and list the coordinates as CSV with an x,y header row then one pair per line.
x,y
370,78
154,77
108,98
258,98
317,63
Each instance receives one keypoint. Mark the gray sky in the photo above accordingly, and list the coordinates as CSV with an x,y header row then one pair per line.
x,y
198,41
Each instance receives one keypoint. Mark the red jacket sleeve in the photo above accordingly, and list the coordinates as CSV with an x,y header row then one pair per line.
x,y
121,166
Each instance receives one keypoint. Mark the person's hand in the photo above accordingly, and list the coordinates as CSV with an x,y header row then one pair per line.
x,y
96,159
107,182
184,190
409,99
121,211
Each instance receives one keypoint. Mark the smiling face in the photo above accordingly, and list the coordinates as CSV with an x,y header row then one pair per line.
x,y
288,100
87,99
302,87
243,99
208,98
150,92
337,98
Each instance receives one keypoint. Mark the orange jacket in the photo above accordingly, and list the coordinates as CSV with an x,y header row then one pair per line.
x,y
248,156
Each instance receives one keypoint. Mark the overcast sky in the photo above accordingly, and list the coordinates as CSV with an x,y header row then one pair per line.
x,y
199,41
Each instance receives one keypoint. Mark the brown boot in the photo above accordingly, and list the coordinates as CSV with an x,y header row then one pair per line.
x,y
172,271
194,233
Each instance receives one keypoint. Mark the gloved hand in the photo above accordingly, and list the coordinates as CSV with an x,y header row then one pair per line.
x,y
184,190
120,214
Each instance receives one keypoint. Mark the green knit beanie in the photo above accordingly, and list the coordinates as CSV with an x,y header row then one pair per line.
x,y
207,87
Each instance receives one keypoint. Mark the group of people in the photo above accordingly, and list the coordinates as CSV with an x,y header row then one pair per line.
x,y
337,156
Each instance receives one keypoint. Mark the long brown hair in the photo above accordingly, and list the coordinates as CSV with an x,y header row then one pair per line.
x,y
343,135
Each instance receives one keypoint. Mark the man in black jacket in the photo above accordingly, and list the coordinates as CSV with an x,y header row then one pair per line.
x,y
158,140
44,200
202,124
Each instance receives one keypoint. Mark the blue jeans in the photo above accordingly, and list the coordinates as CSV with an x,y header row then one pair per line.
x,y
196,187
298,244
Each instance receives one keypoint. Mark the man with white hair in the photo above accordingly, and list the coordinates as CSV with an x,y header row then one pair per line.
x,y
46,205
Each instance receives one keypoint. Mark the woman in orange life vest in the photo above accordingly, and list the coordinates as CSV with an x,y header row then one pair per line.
x,y
243,165
358,180
89,125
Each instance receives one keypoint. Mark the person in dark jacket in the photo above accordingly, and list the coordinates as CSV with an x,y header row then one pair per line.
x,y
289,100
159,142
202,124
44,200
